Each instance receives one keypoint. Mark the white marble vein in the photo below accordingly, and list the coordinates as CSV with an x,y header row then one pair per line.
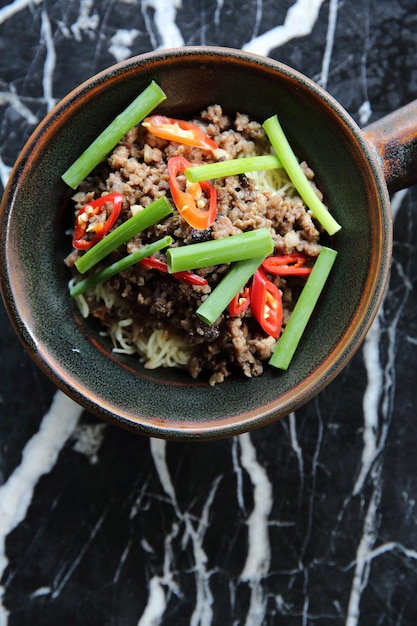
x,y
11,9
330,40
4,172
169,34
299,22
258,18
158,450
237,468
68,567
86,21
87,440
155,609
365,109
121,43
218,12
203,610
371,404
12,98
393,546
364,550
297,451
38,458
193,533
259,550
122,561
50,60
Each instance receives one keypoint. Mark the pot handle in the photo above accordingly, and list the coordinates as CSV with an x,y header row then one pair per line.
x,y
394,138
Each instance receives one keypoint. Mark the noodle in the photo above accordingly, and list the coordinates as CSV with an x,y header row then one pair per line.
x,y
155,347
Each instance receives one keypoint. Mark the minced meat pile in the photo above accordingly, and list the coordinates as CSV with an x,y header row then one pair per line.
x,y
137,168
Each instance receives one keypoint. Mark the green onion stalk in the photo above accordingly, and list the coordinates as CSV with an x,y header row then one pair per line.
x,y
86,284
290,338
233,167
247,245
300,181
143,104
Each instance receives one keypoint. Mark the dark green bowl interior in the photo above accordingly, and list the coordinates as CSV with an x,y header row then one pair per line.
x,y
168,403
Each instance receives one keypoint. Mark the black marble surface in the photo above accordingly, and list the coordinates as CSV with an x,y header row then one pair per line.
x,y
312,520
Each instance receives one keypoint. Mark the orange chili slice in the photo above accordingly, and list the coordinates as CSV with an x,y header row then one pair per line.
x,y
178,130
190,203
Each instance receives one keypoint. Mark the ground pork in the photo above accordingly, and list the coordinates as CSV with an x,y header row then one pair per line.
x,y
137,168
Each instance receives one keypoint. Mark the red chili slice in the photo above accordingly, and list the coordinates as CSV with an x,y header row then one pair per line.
x,y
287,264
266,303
240,302
87,233
188,277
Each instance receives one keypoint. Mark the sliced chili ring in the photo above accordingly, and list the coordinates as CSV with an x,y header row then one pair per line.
x,y
288,264
266,303
187,202
179,131
240,302
188,277
86,234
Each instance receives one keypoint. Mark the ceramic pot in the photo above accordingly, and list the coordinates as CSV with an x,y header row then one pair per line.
x,y
356,169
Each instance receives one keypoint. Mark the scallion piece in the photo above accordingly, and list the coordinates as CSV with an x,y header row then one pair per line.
x,y
221,169
253,243
119,266
221,296
291,165
290,338
137,223
105,142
